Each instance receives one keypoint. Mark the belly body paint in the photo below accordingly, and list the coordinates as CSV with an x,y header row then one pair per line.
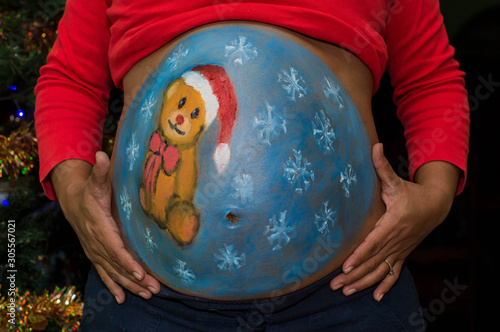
x,y
241,163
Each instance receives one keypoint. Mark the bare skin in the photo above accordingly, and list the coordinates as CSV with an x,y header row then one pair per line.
x,y
84,193
413,210
403,214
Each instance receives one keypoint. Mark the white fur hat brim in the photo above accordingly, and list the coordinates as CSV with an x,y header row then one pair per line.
x,y
198,82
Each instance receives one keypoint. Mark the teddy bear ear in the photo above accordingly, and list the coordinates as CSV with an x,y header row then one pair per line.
x,y
172,89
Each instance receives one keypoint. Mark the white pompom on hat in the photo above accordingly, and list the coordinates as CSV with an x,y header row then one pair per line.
x,y
217,92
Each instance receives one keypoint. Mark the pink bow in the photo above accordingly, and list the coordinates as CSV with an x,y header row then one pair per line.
x,y
161,154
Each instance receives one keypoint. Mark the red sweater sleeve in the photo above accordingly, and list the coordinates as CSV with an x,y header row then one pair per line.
x,y
73,88
429,89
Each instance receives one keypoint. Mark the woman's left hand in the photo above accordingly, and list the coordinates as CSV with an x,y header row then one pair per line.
x,y
413,210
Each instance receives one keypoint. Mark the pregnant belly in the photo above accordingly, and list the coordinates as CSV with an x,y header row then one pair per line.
x,y
242,168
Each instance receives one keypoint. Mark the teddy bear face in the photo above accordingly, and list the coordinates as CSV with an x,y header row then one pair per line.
x,y
182,117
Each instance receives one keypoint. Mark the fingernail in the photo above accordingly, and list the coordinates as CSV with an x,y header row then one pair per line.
x,y
137,276
144,295
152,289
350,291
337,286
117,300
349,269
379,298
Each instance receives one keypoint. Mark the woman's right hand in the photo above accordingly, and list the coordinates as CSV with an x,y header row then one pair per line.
x,y
84,193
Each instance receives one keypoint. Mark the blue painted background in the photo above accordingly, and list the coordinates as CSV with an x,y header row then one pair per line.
x,y
256,267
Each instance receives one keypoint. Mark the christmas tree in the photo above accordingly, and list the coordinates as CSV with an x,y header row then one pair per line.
x,y
40,250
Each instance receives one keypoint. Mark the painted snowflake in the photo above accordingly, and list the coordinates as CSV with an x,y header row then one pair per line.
x,y
331,89
269,124
240,51
228,259
177,56
132,152
280,233
292,83
150,243
298,172
126,204
243,184
186,275
325,218
148,107
348,178
323,132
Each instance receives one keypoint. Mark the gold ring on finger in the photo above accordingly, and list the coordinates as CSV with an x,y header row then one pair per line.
x,y
391,270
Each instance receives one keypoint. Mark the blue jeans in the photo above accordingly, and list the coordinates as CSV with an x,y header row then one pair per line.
x,y
313,308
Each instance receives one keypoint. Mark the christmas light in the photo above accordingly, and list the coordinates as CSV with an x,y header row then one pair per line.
x,y
15,152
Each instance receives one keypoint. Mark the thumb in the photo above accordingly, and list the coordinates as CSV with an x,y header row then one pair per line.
x,y
99,174
390,180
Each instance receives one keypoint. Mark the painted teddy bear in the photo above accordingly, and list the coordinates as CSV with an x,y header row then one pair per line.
x,y
170,172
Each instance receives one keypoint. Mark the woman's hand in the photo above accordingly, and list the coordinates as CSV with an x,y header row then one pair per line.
x,y
84,193
413,210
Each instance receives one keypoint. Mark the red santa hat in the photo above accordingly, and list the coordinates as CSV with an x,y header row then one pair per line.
x,y
220,100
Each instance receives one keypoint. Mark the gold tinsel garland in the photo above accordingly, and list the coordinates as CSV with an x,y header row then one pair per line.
x,y
33,312
18,153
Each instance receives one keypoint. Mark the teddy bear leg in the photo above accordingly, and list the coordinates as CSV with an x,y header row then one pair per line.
x,y
183,222
146,203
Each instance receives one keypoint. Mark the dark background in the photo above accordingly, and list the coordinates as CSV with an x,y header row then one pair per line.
x,y
461,251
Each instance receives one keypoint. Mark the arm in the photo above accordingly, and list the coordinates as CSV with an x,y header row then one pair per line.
x,y
442,176
72,95
73,88
432,105
429,88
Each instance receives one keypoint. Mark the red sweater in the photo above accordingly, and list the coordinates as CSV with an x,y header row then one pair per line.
x,y
100,40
